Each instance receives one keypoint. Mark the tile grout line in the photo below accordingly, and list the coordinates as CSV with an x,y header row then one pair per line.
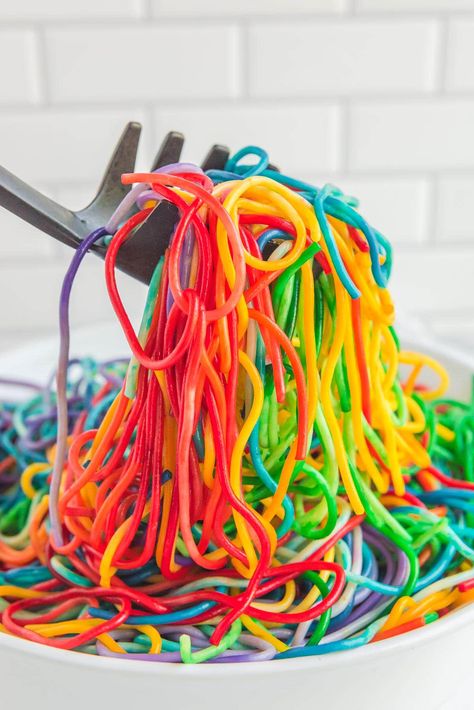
x,y
356,15
322,100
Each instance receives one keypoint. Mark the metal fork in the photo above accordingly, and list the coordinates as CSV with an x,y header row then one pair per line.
x,y
138,256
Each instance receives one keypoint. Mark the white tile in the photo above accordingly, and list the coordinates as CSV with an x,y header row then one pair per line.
x,y
20,240
12,339
460,59
90,302
433,280
19,81
397,207
414,5
248,8
455,201
31,293
418,134
342,57
54,145
142,63
296,139
63,9
76,197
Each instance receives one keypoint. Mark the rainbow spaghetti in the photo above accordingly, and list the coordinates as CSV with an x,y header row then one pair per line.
x,y
259,481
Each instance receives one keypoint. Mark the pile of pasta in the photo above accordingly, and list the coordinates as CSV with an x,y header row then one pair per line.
x,y
268,476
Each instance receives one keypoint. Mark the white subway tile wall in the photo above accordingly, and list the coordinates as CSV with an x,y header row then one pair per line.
x,y
376,96
130,63
454,207
298,137
343,58
267,8
55,145
19,79
460,69
412,134
413,5
31,10
397,205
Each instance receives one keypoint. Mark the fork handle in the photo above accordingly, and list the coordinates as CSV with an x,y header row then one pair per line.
x,y
39,210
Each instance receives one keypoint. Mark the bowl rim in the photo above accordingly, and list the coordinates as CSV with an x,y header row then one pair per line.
x,y
448,624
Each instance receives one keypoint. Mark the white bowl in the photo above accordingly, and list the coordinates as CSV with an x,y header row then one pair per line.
x,y
428,668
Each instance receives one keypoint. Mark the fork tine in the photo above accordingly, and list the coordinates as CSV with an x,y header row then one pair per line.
x,y
139,256
216,158
169,150
111,190
153,236
123,158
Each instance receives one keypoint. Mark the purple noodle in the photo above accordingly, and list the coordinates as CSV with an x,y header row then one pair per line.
x,y
363,592
20,383
380,543
358,620
61,381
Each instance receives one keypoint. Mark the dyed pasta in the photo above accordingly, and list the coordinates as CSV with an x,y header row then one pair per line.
x,y
261,480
